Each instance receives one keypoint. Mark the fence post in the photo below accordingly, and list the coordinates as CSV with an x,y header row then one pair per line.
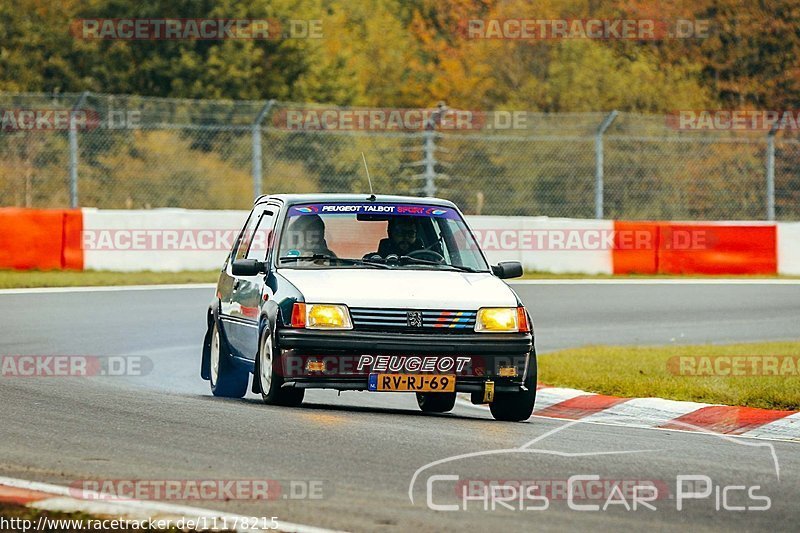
x,y
429,150
256,140
598,163
73,152
771,172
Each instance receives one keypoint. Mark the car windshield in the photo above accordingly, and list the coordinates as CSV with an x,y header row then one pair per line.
x,y
378,235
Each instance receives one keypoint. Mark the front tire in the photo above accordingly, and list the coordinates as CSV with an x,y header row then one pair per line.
x,y
516,406
436,402
270,383
227,381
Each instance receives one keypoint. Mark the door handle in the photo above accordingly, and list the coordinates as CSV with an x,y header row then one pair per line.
x,y
236,284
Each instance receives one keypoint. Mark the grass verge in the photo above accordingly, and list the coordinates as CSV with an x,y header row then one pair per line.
x,y
641,371
15,279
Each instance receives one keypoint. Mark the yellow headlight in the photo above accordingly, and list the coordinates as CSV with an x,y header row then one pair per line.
x,y
497,319
327,316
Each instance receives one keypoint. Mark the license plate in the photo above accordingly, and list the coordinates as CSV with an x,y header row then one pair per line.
x,y
412,382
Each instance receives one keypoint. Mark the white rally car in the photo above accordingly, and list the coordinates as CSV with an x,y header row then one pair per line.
x,y
375,293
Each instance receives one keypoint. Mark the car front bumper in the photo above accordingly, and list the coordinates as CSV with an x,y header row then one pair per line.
x,y
463,384
364,342
348,357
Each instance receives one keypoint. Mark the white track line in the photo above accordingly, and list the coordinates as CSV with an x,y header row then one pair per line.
x,y
94,503
576,281
657,281
108,288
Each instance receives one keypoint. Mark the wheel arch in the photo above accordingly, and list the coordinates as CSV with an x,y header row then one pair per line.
x,y
270,317
205,360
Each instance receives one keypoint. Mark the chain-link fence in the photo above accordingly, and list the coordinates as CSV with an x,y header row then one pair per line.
x,y
136,152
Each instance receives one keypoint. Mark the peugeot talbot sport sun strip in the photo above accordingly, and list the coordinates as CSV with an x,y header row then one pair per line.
x,y
379,294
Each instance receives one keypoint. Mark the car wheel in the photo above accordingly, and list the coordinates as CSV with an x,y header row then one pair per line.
x,y
227,381
436,402
516,406
270,382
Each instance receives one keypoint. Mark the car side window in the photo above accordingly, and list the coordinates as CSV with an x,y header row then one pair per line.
x,y
243,243
262,238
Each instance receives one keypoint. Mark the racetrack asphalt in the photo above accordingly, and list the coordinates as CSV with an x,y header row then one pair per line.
x,y
364,449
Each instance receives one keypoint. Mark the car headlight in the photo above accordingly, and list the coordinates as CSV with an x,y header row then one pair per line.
x,y
502,320
321,316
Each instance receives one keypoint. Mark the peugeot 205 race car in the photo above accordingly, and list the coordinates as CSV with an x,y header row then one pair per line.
x,y
378,294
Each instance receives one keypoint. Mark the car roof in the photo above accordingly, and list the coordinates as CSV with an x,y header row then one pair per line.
x,y
292,199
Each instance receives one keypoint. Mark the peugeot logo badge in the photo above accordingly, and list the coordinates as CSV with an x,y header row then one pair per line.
x,y
414,319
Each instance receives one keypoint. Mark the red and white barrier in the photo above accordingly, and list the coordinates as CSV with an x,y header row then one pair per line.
x,y
542,244
168,240
41,239
789,248
699,248
181,239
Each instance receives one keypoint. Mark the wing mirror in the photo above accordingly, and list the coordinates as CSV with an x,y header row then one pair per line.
x,y
248,267
507,269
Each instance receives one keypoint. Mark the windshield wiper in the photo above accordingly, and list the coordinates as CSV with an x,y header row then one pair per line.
x,y
417,260
288,258
465,268
372,263
339,260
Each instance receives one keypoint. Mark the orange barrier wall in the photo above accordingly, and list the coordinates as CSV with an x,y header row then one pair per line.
x,y
41,239
631,255
72,248
681,248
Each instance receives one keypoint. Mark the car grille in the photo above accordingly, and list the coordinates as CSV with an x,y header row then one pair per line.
x,y
440,320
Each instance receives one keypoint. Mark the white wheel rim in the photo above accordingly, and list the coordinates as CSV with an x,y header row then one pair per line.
x,y
214,356
265,364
